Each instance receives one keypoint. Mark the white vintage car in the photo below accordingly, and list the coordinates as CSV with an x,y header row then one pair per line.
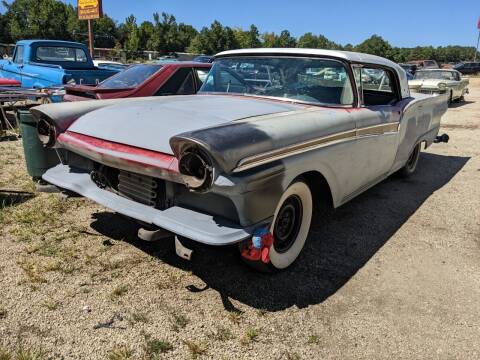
x,y
271,133
440,81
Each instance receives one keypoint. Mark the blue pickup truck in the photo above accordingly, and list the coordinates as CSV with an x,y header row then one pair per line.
x,y
41,64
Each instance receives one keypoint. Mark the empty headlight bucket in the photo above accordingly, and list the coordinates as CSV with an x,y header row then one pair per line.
x,y
47,134
196,169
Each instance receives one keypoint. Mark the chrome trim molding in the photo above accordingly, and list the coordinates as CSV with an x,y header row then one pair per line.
x,y
291,150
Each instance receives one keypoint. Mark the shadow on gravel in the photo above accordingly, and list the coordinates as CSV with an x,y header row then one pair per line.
x,y
459,104
341,243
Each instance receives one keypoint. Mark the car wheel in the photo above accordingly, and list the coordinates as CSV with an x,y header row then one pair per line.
x,y
290,228
412,162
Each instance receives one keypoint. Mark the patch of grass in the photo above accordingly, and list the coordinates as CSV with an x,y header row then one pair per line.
x,y
292,356
5,354
139,317
196,349
179,322
153,347
119,291
222,334
120,352
249,336
30,354
235,317
313,339
32,271
51,305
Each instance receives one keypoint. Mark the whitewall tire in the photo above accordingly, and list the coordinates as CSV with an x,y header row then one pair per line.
x,y
291,225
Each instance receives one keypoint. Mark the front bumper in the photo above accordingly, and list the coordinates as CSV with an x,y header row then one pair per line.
x,y
191,224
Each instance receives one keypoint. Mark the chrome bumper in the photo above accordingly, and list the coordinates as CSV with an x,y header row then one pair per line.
x,y
191,224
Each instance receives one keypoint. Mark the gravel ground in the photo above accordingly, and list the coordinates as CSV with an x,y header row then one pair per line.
x,y
395,273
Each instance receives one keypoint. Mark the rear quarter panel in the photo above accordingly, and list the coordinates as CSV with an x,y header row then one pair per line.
x,y
420,122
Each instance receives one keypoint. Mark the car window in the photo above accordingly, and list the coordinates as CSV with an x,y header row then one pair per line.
x,y
60,54
312,80
376,86
18,59
201,74
188,86
130,77
180,83
376,79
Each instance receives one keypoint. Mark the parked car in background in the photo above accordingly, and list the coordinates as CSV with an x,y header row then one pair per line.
x,y
410,68
244,161
203,59
109,65
440,81
425,64
44,63
178,78
468,68
166,58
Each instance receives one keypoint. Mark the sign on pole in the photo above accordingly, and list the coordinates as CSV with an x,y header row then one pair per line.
x,y
89,9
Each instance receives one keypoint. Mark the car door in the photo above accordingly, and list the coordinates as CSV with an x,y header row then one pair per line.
x,y
13,68
377,121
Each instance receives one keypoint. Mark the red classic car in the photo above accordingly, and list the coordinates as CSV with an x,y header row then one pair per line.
x,y
8,82
179,78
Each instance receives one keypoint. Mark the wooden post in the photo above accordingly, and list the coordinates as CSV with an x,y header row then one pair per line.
x,y
476,49
90,37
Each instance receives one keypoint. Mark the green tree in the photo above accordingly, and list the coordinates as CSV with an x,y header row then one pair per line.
x,y
132,42
4,30
269,40
43,19
215,39
375,45
285,40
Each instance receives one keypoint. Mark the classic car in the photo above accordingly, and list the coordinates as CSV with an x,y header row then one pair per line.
x,y
178,78
41,64
440,81
245,161
203,59
9,82
468,68
110,65
409,68
425,64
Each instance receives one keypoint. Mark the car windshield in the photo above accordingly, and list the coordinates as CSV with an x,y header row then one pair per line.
x,y
443,75
318,81
131,77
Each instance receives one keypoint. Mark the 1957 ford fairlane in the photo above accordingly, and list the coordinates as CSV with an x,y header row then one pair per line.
x,y
243,162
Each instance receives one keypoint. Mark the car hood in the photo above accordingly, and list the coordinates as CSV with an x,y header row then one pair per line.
x,y
149,123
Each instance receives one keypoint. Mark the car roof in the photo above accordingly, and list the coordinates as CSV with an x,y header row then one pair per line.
x,y
344,55
185,64
53,42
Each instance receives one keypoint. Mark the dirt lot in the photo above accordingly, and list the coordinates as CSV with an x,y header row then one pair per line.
x,y
393,274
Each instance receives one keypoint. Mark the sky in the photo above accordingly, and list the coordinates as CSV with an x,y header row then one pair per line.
x,y
404,23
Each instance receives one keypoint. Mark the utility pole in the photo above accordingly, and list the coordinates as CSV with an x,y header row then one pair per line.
x,y
478,41
476,49
90,37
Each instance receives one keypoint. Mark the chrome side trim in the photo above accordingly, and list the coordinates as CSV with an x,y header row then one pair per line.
x,y
314,144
